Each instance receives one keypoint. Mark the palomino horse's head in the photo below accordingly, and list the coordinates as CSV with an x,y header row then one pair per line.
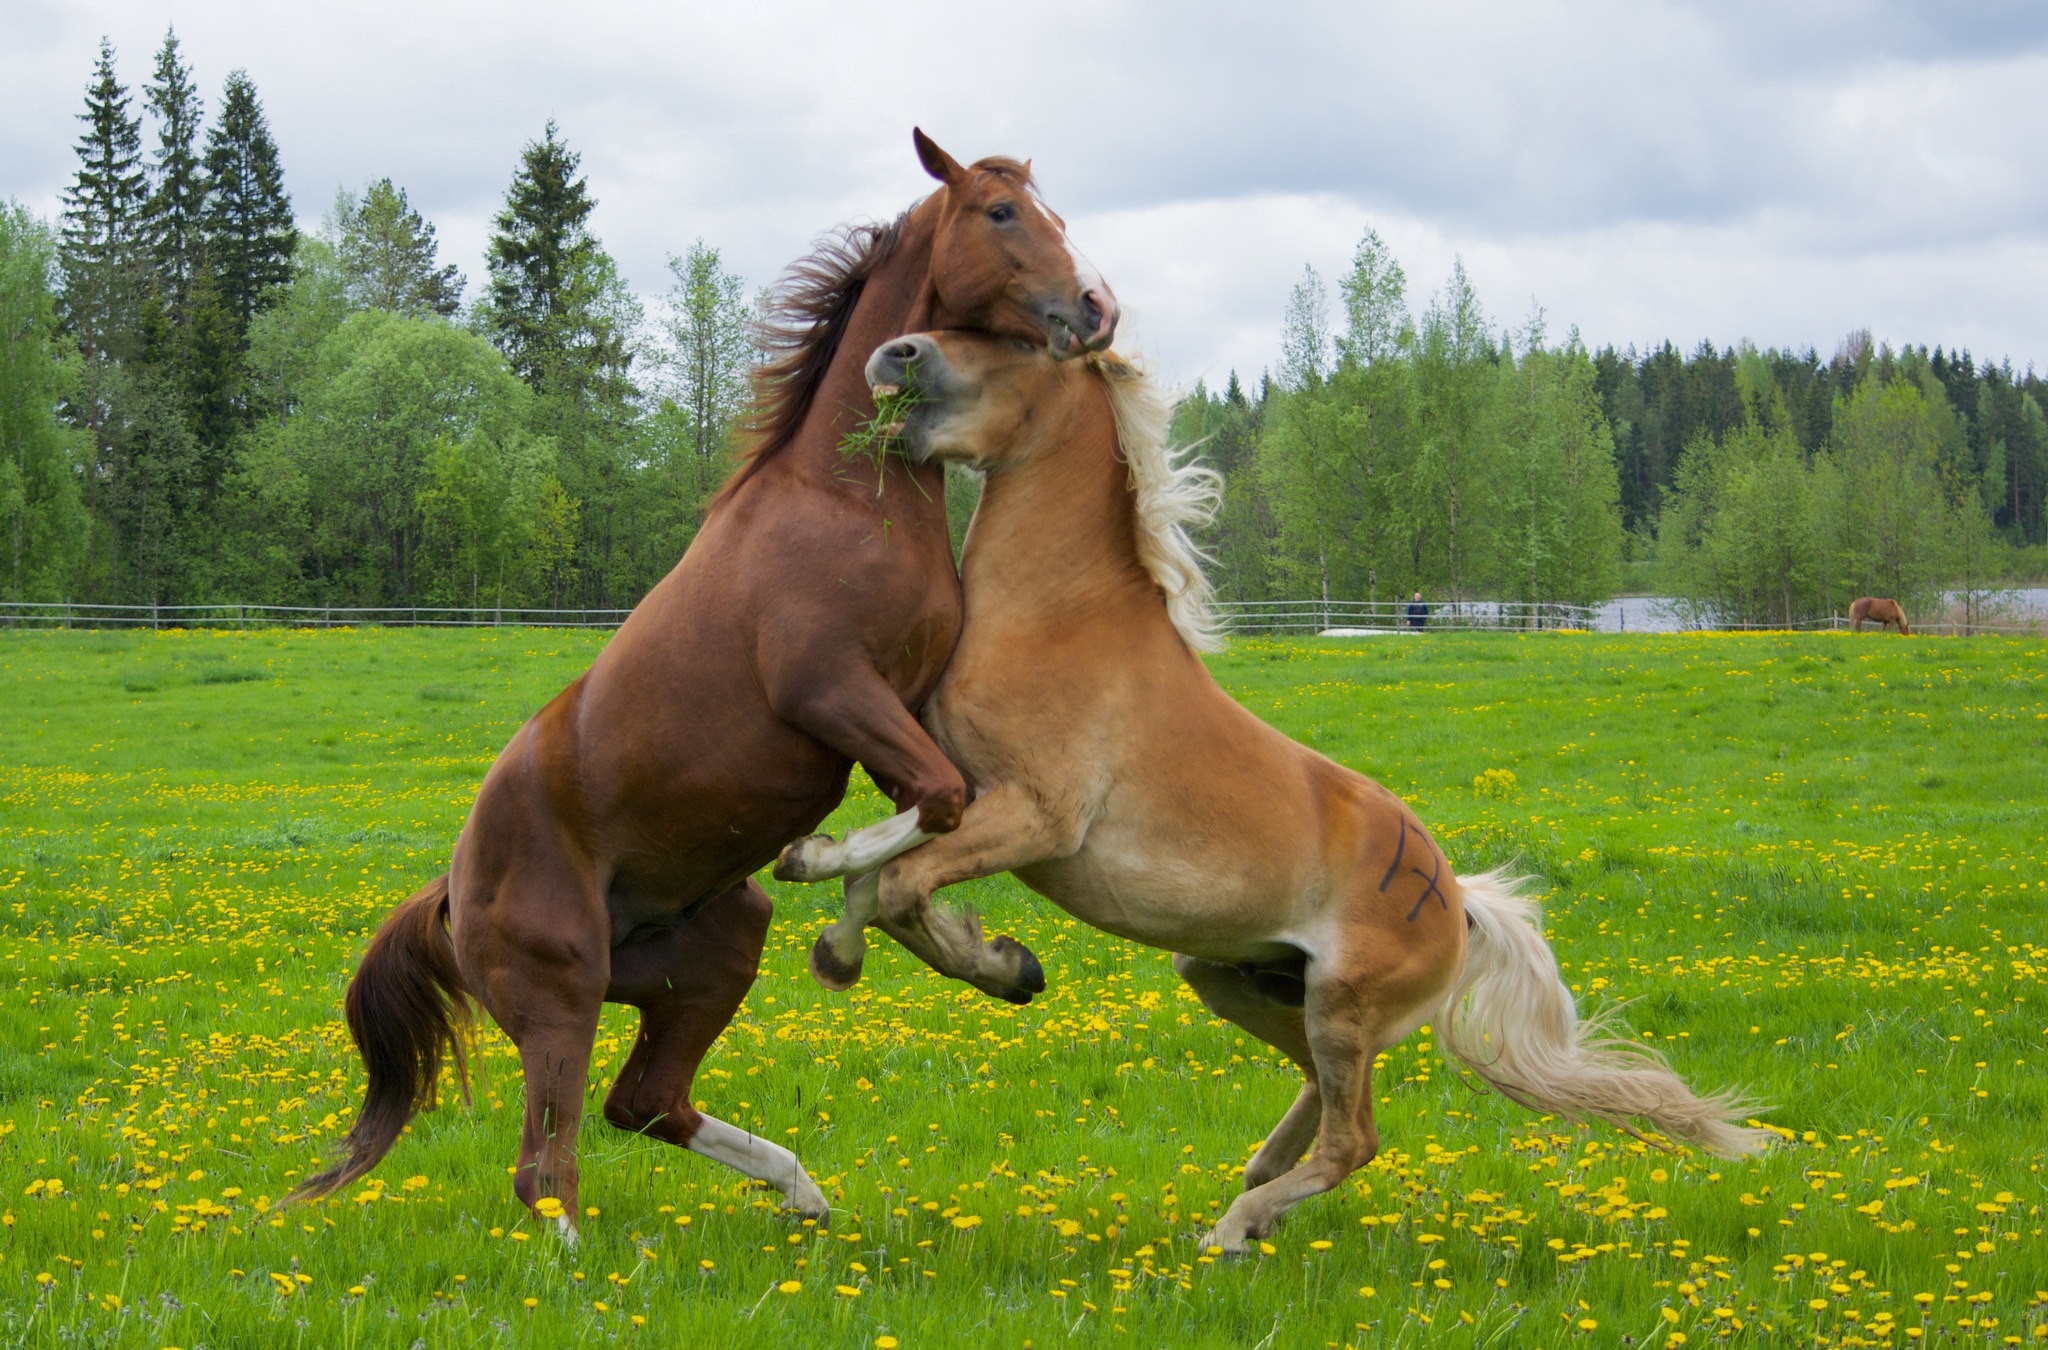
x,y
973,398
1001,261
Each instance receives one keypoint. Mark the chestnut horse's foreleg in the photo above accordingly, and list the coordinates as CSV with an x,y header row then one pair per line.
x,y
1003,829
1236,996
688,981
818,858
853,710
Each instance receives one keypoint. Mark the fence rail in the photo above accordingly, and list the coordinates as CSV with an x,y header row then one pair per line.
x,y
1367,616
1332,617
64,615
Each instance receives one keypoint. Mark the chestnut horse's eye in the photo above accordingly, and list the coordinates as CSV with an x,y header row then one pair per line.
x,y
1002,213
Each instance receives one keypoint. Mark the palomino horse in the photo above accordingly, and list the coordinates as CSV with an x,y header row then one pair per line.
x,y
1884,611
1116,778
609,855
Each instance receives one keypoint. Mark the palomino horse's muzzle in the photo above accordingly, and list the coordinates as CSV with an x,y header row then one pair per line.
x,y
910,361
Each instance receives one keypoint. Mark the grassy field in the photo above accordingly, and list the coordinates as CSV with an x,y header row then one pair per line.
x,y
1810,864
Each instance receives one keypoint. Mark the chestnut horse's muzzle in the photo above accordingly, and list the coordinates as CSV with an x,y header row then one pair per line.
x,y
1089,326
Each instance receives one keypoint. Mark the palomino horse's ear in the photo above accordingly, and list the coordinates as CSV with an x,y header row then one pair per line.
x,y
937,162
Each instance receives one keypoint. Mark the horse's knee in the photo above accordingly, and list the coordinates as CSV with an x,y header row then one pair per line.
x,y
899,895
941,802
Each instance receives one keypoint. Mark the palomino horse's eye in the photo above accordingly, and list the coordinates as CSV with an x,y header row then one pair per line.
x,y
1002,213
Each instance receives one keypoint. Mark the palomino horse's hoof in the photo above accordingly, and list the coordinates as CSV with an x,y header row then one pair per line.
x,y
791,864
1030,974
827,969
1209,1244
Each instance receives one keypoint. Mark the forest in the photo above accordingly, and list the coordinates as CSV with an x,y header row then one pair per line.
x,y
202,402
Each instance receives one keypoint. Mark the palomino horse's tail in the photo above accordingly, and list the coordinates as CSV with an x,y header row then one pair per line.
x,y
1511,1021
405,1007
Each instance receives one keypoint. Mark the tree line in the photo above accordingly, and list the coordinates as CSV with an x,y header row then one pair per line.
x,y
200,403
1390,452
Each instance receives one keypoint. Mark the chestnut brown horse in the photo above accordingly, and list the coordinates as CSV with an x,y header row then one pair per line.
x,y
1883,611
1112,774
609,855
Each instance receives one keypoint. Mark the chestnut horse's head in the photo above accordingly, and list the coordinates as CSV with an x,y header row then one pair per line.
x,y
1001,261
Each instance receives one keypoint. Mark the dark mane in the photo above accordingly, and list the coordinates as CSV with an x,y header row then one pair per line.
x,y
799,331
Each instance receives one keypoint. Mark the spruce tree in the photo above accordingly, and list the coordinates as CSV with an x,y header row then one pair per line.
x,y
247,220
103,221
556,306
179,194
540,252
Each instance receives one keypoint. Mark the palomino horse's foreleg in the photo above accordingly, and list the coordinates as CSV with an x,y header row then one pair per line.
x,y
837,954
852,709
1237,996
688,981
1003,829
817,858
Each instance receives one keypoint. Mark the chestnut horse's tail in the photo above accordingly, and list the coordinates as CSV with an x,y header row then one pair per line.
x,y
405,1007
1510,1020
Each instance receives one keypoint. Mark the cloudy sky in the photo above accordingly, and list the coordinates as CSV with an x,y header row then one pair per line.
x,y
1778,171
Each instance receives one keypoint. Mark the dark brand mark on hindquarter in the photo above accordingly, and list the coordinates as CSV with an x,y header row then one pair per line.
x,y
1434,876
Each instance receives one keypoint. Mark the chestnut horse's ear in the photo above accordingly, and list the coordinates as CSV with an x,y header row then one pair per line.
x,y
937,162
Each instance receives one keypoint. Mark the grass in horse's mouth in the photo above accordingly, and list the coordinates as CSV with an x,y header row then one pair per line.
x,y
882,433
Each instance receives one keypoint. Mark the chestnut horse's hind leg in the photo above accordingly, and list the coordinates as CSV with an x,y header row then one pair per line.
x,y
1235,995
532,940
548,1001
688,981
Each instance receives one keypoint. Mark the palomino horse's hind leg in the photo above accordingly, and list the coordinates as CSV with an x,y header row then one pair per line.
x,y
688,981
1236,996
1003,828
1342,1039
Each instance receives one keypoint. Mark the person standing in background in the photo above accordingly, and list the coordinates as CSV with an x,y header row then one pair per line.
x,y
1418,613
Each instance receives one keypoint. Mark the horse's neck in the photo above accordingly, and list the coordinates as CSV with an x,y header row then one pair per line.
x,y
895,299
1055,536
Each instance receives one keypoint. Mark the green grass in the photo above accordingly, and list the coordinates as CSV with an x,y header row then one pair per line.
x,y
1810,864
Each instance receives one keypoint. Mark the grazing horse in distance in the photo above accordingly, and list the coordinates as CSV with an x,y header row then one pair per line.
x,y
1884,611
610,853
1304,902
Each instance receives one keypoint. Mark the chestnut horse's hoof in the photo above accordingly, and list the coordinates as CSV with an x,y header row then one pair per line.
x,y
828,970
792,865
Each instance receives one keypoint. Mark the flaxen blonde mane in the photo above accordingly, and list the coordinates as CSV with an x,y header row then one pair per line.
x,y
1171,496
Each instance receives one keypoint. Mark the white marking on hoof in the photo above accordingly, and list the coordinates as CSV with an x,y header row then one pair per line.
x,y
567,1228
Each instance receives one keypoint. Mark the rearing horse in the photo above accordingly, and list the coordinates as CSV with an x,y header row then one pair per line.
x,y
1113,775
609,855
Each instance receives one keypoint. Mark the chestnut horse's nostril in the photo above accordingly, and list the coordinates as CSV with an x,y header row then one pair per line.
x,y
1091,310
901,350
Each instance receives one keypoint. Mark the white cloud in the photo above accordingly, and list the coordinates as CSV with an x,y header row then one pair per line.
x,y
1644,170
